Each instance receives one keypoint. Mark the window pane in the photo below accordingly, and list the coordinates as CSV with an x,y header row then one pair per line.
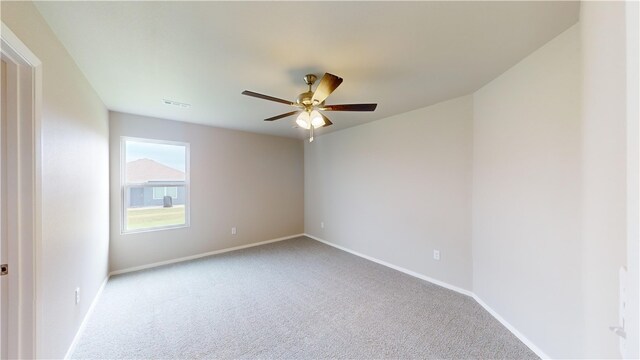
x,y
145,211
149,162
155,184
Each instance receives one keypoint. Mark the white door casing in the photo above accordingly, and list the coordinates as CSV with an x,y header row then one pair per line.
x,y
23,200
4,286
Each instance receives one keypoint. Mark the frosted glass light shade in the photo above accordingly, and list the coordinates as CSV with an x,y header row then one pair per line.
x,y
303,120
316,119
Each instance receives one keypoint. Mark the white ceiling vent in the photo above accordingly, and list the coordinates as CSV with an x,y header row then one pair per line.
x,y
176,103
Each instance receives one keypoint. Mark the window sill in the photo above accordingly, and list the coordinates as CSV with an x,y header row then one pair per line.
x,y
128,232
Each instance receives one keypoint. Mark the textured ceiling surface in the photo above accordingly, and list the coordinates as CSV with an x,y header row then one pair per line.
x,y
402,55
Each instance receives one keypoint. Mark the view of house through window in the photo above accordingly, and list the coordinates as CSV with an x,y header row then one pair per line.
x,y
155,184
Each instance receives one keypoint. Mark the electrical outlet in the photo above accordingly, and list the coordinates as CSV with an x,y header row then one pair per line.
x,y
233,230
436,254
77,296
321,224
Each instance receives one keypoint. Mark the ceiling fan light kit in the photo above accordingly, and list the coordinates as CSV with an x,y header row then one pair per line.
x,y
303,120
310,102
314,119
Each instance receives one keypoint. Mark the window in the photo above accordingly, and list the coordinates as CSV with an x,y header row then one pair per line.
x,y
155,184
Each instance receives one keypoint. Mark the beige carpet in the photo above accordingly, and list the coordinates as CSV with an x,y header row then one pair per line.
x,y
295,299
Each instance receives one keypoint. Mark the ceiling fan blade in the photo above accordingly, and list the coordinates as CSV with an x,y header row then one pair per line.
x,y
350,107
281,116
266,97
327,122
327,85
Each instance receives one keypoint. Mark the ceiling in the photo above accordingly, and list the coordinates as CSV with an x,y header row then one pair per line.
x,y
402,55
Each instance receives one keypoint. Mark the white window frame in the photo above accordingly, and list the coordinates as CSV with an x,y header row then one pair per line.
x,y
125,187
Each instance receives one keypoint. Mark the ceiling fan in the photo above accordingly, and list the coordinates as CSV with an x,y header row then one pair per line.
x,y
310,103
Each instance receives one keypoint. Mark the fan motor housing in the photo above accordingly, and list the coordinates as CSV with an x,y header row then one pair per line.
x,y
305,98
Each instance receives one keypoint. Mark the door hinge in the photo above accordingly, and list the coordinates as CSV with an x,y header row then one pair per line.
x,y
4,269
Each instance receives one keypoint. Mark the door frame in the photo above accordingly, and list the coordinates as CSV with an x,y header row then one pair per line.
x,y
24,73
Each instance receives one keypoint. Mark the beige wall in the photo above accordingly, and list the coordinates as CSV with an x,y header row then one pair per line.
x,y
527,198
396,189
602,26
632,324
75,180
250,181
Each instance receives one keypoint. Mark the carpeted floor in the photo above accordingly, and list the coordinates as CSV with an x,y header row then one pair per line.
x,y
294,299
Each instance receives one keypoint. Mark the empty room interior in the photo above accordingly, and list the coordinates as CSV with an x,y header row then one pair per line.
x,y
314,180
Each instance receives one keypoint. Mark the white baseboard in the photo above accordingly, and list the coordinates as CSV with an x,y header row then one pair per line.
x,y
197,256
497,316
83,325
513,330
395,267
